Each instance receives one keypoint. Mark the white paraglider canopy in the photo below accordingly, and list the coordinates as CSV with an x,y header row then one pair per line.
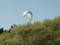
x,y
27,14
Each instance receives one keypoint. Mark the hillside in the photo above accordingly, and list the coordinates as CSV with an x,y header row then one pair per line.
x,y
39,33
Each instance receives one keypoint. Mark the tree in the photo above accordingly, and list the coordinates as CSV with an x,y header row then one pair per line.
x,y
1,30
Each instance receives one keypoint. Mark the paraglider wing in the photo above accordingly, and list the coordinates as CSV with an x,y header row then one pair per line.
x,y
25,13
28,14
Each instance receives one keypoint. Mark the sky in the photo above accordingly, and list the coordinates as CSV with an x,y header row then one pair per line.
x,y
11,11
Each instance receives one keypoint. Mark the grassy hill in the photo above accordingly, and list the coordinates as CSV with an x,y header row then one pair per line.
x,y
39,33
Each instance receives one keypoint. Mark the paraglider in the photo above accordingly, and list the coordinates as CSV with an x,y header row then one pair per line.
x,y
28,14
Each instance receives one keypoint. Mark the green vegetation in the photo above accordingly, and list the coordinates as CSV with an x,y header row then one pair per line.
x,y
39,33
